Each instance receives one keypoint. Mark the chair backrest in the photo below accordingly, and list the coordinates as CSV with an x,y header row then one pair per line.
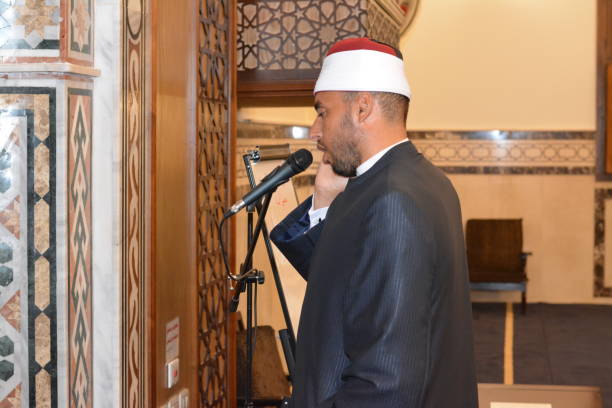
x,y
269,380
494,250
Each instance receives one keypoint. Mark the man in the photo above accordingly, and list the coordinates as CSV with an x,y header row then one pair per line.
x,y
386,320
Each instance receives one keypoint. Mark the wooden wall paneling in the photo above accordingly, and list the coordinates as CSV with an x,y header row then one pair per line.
x,y
174,200
609,117
604,59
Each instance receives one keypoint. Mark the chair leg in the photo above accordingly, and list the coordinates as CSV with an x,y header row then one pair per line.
x,y
524,302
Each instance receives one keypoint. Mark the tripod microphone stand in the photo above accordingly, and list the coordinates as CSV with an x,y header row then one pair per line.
x,y
251,276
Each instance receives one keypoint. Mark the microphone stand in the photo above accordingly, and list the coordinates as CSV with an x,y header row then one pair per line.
x,y
252,276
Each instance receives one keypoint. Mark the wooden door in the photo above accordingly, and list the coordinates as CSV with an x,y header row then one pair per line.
x,y
178,114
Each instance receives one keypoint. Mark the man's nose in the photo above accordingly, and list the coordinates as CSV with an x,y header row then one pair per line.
x,y
315,130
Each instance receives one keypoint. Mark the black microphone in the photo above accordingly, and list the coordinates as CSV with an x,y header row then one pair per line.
x,y
295,163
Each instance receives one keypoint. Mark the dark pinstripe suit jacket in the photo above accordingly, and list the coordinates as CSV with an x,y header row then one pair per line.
x,y
386,321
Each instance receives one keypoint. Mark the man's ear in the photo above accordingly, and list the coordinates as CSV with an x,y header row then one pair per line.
x,y
365,106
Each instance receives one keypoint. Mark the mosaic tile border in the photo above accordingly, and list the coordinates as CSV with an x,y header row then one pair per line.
x,y
508,152
41,253
599,288
272,131
498,135
80,322
545,153
520,170
133,204
15,126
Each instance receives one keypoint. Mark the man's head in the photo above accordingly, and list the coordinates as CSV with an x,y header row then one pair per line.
x,y
361,99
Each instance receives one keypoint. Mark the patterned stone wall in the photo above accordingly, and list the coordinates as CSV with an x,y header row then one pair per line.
x,y
45,203
28,250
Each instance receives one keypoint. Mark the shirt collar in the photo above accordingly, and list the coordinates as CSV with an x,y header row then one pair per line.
x,y
366,165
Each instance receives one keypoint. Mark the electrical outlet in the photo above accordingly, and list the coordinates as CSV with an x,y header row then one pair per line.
x,y
172,373
184,399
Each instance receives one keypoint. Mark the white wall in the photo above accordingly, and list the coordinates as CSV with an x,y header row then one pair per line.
x,y
492,64
502,64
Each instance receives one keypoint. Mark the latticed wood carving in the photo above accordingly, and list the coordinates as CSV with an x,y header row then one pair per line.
x,y
212,197
274,35
290,34
281,43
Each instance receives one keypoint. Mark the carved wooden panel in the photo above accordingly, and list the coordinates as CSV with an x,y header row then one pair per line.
x,y
281,43
288,35
213,127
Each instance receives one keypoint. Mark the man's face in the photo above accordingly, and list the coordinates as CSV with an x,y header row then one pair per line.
x,y
335,133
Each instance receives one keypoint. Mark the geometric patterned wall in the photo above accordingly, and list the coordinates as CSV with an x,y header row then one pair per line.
x,y
28,307
45,242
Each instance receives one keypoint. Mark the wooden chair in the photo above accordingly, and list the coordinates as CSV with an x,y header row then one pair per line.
x,y
270,385
496,260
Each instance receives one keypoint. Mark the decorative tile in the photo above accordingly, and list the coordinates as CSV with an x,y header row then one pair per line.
x,y
80,33
29,28
42,295
508,152
13,399
7,369
43,341
11,311
7,347
521,170
79,247
483,152
43,389
250,130
9,217
497,135
41,172
31,111
41,231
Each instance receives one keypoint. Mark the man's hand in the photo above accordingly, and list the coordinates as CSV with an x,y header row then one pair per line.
x,y
327,186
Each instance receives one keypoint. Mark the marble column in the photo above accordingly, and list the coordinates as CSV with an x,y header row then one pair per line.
x,y
46,109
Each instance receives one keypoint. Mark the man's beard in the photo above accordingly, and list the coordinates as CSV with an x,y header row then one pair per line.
x,y
345,157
